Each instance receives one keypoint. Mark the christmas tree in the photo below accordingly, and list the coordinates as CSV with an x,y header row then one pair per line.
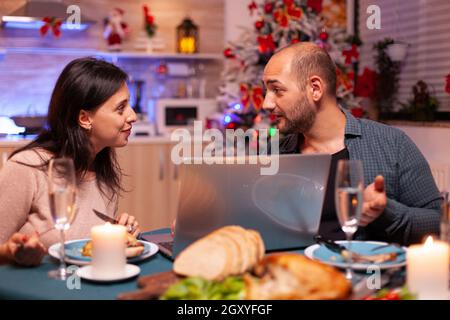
x,y
280,23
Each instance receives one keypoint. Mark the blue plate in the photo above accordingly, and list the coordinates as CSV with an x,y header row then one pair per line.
x,y
323,254
73,252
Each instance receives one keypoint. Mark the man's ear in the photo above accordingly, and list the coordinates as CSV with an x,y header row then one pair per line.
x,y
317,88
84,120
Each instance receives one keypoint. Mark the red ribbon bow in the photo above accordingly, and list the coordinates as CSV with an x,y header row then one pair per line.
x,y
351,55
251,95
51,23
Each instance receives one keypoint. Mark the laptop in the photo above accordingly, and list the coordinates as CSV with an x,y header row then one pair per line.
x,y
285,208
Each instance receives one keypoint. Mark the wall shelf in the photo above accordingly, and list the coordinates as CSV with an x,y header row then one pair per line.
x,y
111,55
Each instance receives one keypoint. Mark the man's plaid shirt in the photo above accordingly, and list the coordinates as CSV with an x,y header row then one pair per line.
x,y
413,207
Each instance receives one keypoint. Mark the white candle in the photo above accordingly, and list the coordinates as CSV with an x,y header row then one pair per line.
x,y
427,269
108,250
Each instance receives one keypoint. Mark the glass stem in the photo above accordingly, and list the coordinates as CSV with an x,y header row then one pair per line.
x,y
62,253
349,270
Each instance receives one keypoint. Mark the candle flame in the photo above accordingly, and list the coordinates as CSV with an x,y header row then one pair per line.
x,y
354,202
429,241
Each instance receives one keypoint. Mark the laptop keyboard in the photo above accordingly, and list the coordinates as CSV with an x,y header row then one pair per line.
x,y
167,245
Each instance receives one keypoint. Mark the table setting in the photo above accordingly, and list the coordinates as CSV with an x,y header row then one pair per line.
x,y
230,262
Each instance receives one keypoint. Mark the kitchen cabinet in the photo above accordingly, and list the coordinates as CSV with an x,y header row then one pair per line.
x,y
151,184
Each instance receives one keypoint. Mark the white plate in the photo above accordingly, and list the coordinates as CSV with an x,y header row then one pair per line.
x,y
130,271
321,253
54,252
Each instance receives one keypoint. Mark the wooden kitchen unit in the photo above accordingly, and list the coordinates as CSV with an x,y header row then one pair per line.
x,y
150,179
151,182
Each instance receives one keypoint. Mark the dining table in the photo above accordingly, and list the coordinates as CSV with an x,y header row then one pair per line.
x,y
33,283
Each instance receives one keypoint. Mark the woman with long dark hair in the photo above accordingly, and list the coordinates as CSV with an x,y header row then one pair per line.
x,y
89,115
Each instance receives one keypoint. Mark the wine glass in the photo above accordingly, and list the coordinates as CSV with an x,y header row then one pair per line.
x,y
349,200
62,193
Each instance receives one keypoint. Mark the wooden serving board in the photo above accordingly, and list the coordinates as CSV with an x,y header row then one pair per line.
x,y
152,286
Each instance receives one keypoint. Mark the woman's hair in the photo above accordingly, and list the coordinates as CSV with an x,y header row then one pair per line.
x,y
84,84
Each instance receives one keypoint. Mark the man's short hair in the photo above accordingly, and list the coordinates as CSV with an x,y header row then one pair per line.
x,y
310,59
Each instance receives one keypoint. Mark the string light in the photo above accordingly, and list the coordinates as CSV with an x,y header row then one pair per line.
x,y
272,131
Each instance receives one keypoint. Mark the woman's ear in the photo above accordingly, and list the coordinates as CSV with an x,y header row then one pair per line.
x,y
84,120
317,87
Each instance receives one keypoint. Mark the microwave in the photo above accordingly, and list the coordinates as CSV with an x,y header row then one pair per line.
x,y
172,114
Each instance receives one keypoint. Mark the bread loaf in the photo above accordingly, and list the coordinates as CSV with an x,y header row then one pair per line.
x,y
231,250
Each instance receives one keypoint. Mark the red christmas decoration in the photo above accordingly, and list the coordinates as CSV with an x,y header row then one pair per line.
x,y
268,7
266,44
231,125
344,79
289,11
447,85
351,55
357,112
259,24
149,21
162,69
295,40
366,84
115,29
228,53
51,23
323,36
253,95
315,5
252,7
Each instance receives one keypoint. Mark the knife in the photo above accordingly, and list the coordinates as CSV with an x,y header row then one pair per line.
x,y
330,244
104,217
343,251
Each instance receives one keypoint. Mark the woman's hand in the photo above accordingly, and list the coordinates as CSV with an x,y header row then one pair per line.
x,y
131,223
24,250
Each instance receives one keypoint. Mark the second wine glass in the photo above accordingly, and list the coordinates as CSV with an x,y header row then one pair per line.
x,y
349,200
62,194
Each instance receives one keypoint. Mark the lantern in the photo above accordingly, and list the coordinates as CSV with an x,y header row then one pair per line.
x,y
187,37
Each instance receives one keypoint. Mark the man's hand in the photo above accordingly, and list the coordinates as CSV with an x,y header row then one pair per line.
x,y
375,201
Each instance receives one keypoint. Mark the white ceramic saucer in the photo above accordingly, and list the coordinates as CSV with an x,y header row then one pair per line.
x,y
86,273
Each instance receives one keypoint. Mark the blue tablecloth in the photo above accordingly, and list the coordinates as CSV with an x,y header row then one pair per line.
x,y
33,283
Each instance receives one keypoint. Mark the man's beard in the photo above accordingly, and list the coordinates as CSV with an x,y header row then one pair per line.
x,y
300,119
